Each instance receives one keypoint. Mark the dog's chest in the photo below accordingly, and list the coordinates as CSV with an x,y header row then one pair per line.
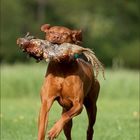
x,y
65,94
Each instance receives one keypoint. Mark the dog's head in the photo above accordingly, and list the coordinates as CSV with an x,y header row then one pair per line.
x,y
60,34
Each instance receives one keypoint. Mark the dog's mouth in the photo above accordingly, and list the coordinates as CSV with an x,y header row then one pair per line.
x,y
55,41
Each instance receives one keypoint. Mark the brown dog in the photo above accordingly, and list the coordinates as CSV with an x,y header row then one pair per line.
x,y
72,84
60,34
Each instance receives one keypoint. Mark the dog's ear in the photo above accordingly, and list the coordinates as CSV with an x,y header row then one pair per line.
x,y
45,27
77,36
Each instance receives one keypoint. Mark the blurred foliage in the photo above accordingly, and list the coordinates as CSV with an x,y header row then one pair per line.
x,y
110,28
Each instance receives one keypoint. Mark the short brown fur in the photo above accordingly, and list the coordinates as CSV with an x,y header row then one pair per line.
x,y
61,34
73,85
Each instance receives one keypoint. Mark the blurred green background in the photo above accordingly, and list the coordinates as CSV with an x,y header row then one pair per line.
x,y
118,105
110,28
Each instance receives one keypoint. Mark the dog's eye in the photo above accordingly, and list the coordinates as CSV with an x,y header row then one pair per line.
x,y
65,34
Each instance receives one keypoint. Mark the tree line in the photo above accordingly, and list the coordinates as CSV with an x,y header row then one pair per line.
x,y
110,28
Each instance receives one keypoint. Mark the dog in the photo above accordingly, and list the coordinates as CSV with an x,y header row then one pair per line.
x,y
72,84
61,34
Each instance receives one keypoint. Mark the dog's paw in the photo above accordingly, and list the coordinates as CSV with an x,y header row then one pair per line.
x,y
54,132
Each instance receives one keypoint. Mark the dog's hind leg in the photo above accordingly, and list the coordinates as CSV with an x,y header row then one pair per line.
x,y
91,111
67,127
91,108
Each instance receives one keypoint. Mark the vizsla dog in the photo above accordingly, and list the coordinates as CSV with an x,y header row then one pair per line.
x,y
71,83
60,34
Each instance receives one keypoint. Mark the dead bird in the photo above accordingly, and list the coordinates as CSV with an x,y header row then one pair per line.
x,y
43,49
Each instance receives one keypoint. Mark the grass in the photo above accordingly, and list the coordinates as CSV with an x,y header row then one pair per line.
x,y
118,105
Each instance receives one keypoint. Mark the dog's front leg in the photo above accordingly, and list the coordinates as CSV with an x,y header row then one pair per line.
x,y
43,118
66,117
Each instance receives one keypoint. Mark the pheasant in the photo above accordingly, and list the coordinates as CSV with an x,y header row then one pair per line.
x,y
43,49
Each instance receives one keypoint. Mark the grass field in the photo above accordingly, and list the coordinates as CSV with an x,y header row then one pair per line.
x,y
118,105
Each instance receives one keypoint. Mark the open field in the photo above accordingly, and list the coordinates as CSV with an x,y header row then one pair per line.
x,y
118,105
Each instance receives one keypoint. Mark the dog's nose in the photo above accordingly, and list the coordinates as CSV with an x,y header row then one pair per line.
x,y
56,37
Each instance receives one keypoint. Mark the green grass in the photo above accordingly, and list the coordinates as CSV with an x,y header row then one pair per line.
x,y
118,105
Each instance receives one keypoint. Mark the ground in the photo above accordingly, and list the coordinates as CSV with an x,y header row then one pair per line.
x,y
118,105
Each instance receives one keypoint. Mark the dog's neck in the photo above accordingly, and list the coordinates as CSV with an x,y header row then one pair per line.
x,y
62,67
